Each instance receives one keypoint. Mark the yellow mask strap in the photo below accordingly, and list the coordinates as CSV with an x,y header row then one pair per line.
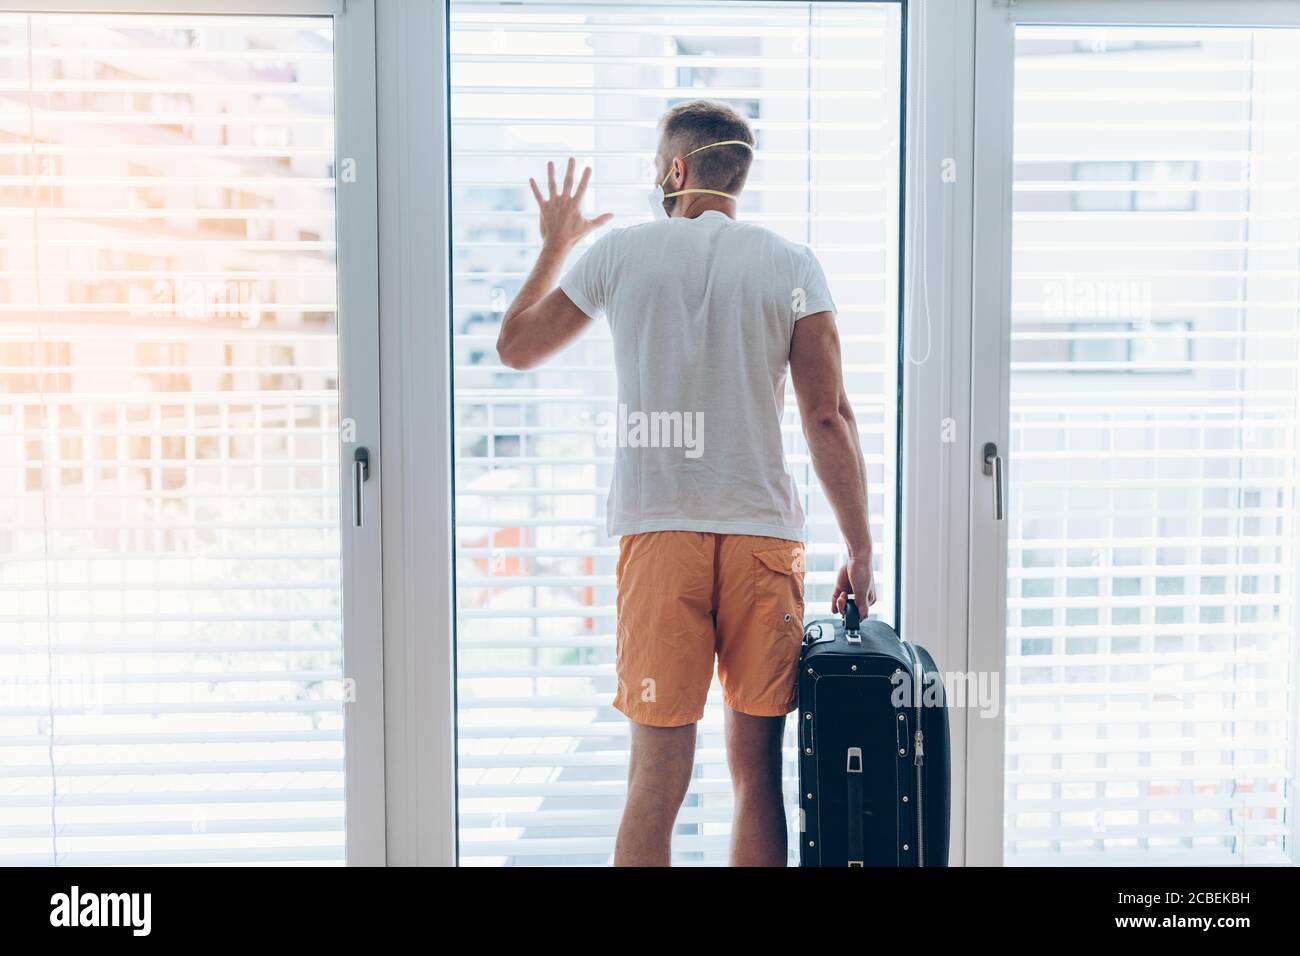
x,y
711,192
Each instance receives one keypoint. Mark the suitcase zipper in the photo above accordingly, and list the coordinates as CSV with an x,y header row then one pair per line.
x,y
919,748
920,798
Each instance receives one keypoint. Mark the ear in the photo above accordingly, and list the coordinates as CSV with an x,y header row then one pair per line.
x,y
679,171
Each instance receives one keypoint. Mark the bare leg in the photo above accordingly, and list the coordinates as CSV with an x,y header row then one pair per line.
x,y
758,835
658,775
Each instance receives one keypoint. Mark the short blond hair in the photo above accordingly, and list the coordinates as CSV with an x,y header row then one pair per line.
x,y
688,126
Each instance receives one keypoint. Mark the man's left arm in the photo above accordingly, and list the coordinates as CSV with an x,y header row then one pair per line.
x,y
542,319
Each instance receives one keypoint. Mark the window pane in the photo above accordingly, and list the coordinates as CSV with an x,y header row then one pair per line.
x,y
169,543
1151,601
543,754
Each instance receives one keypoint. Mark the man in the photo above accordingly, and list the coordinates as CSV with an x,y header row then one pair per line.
x,y
706,315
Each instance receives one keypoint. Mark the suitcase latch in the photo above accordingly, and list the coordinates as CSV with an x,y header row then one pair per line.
x,y
853,637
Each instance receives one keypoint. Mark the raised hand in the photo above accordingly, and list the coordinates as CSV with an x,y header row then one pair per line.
x,y
561,220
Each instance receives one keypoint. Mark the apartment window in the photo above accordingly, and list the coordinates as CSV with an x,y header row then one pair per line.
x,y
542,753
1151,597
170,634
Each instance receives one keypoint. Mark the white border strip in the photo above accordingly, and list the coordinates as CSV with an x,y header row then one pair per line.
x,y
358,329
415,387
936,422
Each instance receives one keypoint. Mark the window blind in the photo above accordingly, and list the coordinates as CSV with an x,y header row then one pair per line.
x,y
1154,387
170,644
542,754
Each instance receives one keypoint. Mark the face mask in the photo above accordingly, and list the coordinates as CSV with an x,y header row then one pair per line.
x,y
658,196
657,200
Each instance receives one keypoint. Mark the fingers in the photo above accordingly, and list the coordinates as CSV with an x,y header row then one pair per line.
x,y
569,170
582,183
842,587
537,193
600,220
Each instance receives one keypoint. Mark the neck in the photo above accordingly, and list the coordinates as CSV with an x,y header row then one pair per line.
x,y
696,204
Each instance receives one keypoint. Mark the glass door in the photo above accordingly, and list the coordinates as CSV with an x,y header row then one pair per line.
x,y
188,340
542,754
1137,373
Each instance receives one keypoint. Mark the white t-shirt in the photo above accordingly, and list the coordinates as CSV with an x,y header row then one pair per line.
x,y
701,311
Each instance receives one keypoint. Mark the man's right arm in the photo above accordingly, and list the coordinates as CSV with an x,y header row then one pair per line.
x,y
832,434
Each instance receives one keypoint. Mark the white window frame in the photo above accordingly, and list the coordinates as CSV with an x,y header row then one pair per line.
x,y
936,549
990,344
358,336
419,541
416,395
357,264
415,353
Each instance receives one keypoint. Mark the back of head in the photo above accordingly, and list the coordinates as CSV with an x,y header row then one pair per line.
x,y
689,126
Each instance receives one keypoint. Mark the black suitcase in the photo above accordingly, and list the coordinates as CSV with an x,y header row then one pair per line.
x,y
874,766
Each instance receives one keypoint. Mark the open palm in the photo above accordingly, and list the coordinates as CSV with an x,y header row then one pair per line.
x,y
561,219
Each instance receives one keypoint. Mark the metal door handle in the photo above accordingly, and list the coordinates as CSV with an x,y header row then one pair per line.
x,y
993,466
360,475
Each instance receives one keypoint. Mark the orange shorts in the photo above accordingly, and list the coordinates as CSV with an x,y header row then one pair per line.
x,y
686,596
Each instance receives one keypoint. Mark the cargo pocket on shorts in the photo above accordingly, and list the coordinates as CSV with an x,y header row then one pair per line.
x,y
778,592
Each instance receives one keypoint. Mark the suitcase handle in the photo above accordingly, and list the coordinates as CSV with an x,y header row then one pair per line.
x,y
852,618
